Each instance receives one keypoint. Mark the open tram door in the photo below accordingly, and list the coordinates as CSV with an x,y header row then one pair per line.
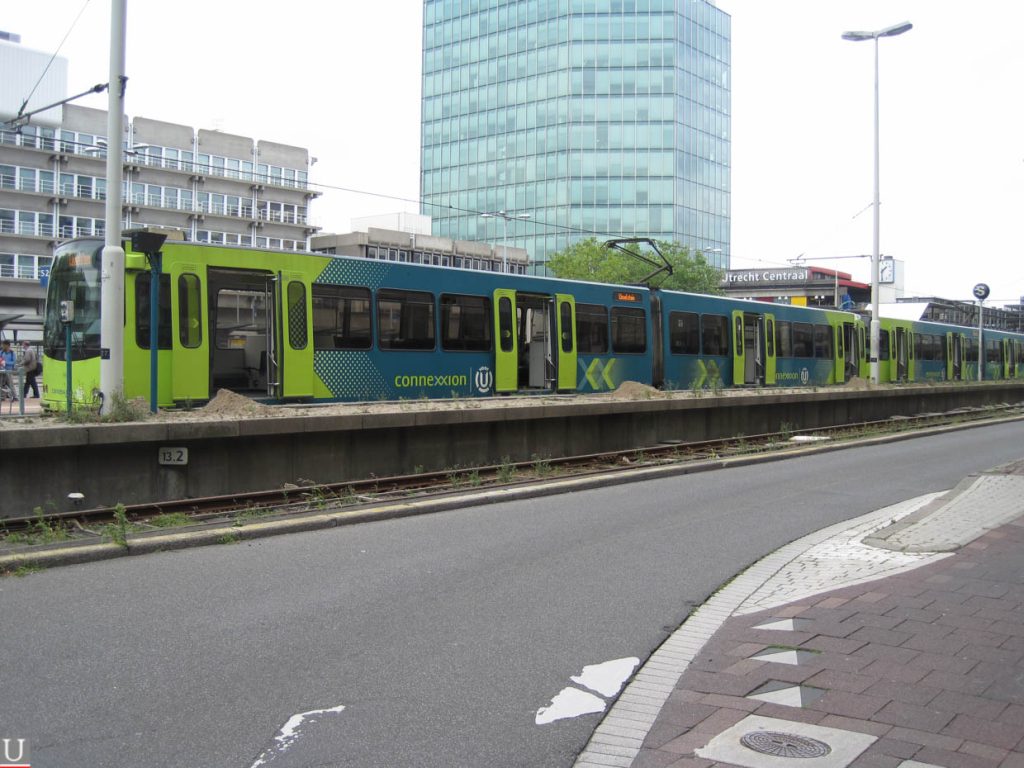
x,y
851,345
749,349
954,356
259,333
535,345
190,364
289,353
902,355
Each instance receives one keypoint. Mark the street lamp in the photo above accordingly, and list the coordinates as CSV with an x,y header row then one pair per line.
x,y
892,31
504,231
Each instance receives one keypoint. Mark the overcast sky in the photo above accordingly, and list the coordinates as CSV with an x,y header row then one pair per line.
x,y
343,79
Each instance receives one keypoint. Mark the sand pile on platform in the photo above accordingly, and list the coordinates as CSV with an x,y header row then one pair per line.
x,y
232,405
634,390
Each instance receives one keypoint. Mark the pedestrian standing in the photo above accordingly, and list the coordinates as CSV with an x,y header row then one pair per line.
x,y
7,367
30,362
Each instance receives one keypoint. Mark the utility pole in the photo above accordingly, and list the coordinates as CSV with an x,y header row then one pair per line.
x,y
112,267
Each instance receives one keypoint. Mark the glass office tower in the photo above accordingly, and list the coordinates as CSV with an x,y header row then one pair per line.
x,y
567,119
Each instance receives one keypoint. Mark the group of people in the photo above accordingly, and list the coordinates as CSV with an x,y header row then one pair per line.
x,y
9,362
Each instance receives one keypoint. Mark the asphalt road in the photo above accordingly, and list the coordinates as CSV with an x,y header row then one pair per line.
x,y
439,637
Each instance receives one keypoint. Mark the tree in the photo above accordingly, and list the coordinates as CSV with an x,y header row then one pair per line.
x,y
590,260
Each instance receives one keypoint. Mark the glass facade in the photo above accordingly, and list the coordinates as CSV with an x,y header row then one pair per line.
x,y
582,118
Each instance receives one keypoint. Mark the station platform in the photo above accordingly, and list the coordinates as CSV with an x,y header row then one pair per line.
x,y
892,641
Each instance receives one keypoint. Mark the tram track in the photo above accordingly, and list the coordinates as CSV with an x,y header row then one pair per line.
x,y
239,509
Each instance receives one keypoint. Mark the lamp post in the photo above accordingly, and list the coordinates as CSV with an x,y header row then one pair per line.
x,y
112,272
897,29
504,231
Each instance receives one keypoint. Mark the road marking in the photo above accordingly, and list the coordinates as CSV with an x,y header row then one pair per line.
x,y
605,678
290,732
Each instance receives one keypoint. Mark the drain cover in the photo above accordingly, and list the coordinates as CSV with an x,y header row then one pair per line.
x,y
782,744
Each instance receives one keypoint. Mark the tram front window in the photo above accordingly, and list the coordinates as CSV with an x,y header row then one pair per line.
x,y
74,276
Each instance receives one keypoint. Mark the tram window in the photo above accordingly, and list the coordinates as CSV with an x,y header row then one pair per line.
x,y
591,329
714,335
142,283
769,337
684,333
629,330
993,352
783,340
883,345
803,340
505,325
190,312
297,334
919,342
341,317
466,323
405,320
566,322
823,341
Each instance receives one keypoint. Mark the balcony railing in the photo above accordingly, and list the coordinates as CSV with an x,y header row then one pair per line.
x,y
23,271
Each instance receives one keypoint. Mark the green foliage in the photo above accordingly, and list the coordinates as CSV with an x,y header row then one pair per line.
x,y
42,531
506,470
590,260
118,530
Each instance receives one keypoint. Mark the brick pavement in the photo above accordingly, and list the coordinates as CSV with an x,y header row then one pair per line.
x,y
921,668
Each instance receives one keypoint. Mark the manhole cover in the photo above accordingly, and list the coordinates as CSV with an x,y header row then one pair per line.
x,y
782,744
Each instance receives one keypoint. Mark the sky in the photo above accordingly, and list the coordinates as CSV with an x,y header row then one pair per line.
x,y
343,79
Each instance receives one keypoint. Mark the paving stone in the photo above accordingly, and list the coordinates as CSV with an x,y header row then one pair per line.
x,y
964,704
918,695
888,671
835,680
926,739
899,713
875,760
953,682
896,748
849,704
995,754
953,759
998,734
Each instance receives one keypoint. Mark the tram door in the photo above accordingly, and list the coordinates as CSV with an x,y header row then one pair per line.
x,y
290,355
954,356
851,343
190,363
748,356
902,354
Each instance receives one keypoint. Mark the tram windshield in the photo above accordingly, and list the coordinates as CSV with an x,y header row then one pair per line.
x,y
74,276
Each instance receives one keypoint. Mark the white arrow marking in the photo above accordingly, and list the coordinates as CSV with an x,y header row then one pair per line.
x,y
607,678
290,732
571,702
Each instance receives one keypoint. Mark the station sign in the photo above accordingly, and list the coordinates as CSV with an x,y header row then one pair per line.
x,y
767,276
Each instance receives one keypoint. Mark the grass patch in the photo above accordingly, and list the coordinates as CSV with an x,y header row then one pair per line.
x,y
22,570
41,531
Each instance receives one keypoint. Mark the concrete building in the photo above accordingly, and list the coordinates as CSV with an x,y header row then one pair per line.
x,y
567,119
216,187
412,248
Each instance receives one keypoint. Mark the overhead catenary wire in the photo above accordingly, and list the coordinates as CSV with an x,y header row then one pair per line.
x,y
46,69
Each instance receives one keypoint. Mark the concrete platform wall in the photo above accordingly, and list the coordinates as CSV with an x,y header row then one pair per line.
x,y
114,463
